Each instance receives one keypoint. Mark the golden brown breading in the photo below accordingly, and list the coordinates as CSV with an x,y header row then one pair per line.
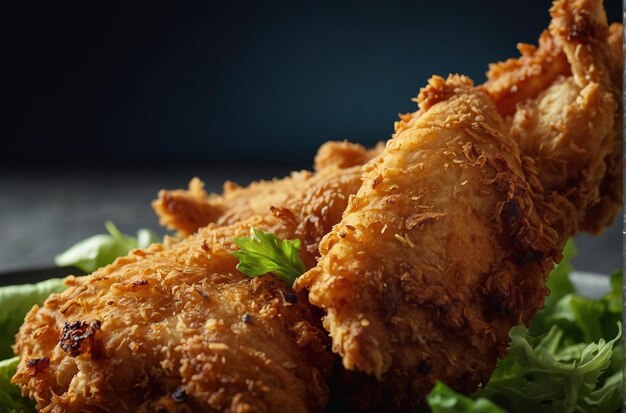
x,y
176,328
306,203
445,247
344,154
515,80
180,332
600,215
338,169
185,210
616,44
565,102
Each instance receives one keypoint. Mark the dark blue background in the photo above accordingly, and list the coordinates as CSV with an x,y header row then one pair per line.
x,y
260,81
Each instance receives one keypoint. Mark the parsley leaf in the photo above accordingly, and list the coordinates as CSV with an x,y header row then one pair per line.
x,y
263,252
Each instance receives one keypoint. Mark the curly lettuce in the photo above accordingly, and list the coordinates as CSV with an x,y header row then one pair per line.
x,y
563,364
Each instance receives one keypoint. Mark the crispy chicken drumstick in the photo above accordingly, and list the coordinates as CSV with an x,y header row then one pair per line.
x,y
449,241
444,248
177,328
337,166
563,103
446,245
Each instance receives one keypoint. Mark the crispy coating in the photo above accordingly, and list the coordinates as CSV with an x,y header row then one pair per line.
x,y
444,248
185,210
600,215
564,98
344,154
516,80
176,328
306,203
196,334
337,166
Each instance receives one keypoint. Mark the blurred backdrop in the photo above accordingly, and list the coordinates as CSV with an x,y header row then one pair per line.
x,y
235,80
107,102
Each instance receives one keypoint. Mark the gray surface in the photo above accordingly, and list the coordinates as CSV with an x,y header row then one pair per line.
x,y
45,210
590,284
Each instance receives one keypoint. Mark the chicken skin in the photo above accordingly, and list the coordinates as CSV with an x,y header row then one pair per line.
x,y
563,102
444,248
449,241
337,166
432,248
176,328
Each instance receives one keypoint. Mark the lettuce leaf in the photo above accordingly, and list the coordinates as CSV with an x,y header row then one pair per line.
x,y
564,363
559,285
102,249
11,401
548,376
442,399
15,302
614,298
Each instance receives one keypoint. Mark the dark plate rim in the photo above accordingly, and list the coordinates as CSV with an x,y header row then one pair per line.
x,y
588,284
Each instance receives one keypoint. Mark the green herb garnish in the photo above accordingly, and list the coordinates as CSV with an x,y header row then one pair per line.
x,y
262,253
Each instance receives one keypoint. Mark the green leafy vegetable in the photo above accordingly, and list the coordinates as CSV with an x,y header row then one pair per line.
x,y
614,298
443,399
11,401
262,253
564,364
559,285
102,249
543,373
15,302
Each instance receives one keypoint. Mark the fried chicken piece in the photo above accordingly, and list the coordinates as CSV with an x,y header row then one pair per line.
x,y
185,210
176,328
564,98
516,80
309,205
616,44
600,215
195,333
344,154
444,248
337,166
